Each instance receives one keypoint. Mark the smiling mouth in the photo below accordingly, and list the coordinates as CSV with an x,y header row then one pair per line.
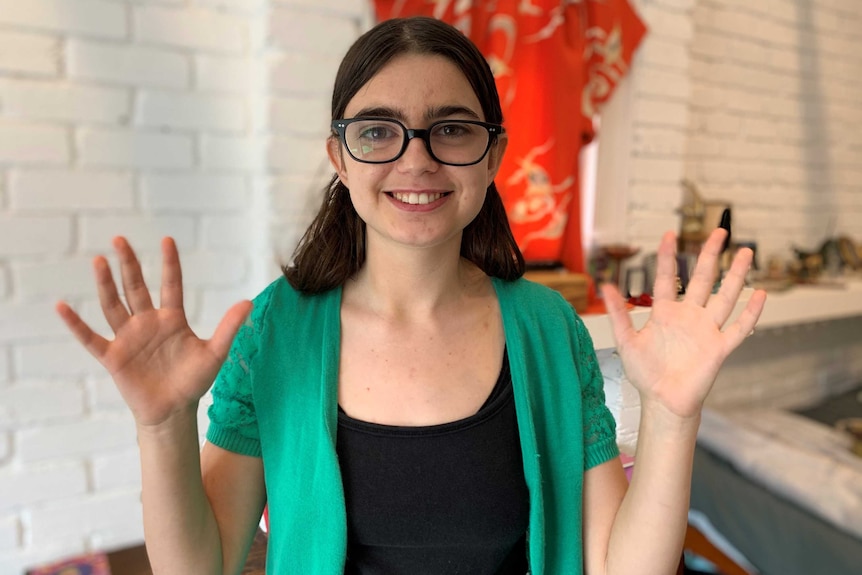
x,y
415,198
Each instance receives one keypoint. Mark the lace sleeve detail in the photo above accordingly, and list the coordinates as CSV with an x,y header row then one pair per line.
x,y
233,421
599,425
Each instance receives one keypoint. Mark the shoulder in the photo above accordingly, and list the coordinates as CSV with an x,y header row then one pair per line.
x,y
530,308
527,295
282,311
280,295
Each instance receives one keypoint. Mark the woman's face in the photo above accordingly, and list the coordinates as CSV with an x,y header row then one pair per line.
x,y
416,90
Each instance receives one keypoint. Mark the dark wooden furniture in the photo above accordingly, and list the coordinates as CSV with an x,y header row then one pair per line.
x,y
134,561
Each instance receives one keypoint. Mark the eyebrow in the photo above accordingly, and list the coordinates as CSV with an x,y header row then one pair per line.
x,y
431,114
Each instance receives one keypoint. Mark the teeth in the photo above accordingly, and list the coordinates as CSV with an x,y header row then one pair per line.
x,y
414,198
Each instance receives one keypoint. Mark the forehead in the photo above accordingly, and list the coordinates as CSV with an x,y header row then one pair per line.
x,y
413,84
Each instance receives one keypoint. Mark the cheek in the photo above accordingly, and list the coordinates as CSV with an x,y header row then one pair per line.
x,y
480,180
366,183
363,178
478,184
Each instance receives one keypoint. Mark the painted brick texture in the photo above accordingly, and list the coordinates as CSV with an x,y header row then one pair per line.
x,y
754,102
800,120
143,119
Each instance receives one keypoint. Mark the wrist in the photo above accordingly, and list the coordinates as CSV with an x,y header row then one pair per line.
x,y
656,416
180,420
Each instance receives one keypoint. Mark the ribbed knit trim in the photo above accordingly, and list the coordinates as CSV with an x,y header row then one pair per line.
x,y
601,452
232,441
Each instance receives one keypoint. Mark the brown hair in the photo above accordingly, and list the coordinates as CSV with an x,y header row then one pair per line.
x,y
333,247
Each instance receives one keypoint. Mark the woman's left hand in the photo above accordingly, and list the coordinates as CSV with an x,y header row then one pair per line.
x,y
674,359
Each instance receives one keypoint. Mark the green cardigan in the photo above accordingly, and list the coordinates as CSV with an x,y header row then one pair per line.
x,y
276,397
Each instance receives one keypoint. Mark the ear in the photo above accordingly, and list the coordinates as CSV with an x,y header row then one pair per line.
x,y
336,159
495,156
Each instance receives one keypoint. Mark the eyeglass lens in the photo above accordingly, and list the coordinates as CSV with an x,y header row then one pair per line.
x,y
452,142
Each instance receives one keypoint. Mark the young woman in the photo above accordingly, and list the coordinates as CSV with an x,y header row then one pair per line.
x,y
401,400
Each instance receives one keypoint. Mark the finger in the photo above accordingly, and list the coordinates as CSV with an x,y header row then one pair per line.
x,y
137,294
665,274
736,333
702,281
226,330
621,322
721,304
172,276
112,306
93,342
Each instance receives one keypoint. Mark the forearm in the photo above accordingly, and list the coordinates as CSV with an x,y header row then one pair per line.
x,y
181,532
649,529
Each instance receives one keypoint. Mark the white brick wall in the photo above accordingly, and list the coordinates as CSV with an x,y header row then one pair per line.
x,y
792,367
291,29
39,100
82,438
191,111
188,192
24,403
34,235
190,27
9,534
33,144
142,230
99,18
114,518
5,370
58,358
777,110
134,149
117,471
4,290
29,53
40,191
757,103
204,119
39,483
216,73
126,64
143,118
232,153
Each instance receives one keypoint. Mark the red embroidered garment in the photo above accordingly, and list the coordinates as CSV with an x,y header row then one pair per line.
x,y
555,62
92,564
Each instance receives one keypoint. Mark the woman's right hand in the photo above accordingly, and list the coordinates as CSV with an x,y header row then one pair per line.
x,y
159,365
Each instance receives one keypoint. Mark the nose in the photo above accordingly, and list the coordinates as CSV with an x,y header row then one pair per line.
x,y
416,157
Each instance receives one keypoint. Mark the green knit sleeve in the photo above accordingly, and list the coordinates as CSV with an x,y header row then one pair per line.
x,y
600,443
233,422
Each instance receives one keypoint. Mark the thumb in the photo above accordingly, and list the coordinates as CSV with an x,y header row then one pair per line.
x,y
227,328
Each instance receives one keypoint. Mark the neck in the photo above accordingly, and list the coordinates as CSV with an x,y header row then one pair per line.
x,y
413,282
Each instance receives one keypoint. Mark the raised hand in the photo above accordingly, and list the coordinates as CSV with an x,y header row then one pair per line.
x,y
674,359
157,362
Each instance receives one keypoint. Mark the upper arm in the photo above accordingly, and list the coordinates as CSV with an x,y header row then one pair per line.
x,y
234,485
231,466
604,488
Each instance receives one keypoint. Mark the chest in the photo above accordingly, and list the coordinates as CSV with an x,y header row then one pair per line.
x,y
421,373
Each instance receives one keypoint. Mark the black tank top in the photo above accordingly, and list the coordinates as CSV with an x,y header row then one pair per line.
x,y
440,499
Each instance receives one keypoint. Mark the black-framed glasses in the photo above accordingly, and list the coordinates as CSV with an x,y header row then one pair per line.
x,y
450,142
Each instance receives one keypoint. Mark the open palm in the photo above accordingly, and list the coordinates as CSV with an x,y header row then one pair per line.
x,y
157,362
674,359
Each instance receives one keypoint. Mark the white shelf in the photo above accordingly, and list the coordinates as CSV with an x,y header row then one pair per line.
x,y
804,304
800,304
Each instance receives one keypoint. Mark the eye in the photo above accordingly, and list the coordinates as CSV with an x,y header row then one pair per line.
x,y
453,130
377,132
